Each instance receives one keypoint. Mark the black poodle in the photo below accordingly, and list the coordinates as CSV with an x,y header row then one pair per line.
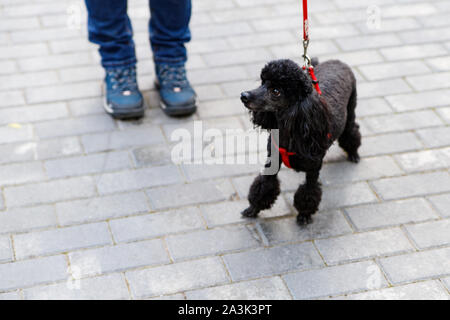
x,y
308,123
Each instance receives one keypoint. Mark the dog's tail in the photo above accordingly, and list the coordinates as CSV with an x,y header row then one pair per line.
x,y
314,61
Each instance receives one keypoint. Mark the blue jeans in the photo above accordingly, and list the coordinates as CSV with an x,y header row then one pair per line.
x,y
109,26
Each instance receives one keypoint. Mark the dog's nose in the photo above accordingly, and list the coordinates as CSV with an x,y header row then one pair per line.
x,y
245,96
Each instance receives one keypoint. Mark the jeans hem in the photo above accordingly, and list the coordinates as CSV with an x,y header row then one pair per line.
x,y
115,64
172,61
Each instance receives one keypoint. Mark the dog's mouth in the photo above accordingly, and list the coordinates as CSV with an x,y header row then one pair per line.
x,y
249,105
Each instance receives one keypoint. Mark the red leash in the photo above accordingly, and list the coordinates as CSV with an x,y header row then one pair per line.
x,y
305,47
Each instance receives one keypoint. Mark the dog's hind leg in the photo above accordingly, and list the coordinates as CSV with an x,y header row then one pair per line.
x,y
307,198
350,139
262,195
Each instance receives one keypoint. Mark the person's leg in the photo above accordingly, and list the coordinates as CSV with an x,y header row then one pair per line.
x,y
169,31
110,28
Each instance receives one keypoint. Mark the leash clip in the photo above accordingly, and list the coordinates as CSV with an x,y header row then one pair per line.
x,y
307,59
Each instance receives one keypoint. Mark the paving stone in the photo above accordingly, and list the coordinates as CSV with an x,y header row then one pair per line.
x,y
382,88
236,57
17,220
23,50
365,245
21,173
137,179
403,121
61,240
55,61
426,290
189,194
81,73
16,133
389,143
421,100
271,261
410,9
88,106
24,10
21,80
389,25
430,234
209,242
74,126
390,213
103,208
177,277
28,273
97,163
444,113
229,212
325,224
367,42
17,152
60,147
425,35
63,92
156,224
261,289
440,63
413,51
10,296
436,80
447,282
329,281
35,113
260,40
122,139
393,70
52,191
176,296
110,287
367,169
425,160
346,195
417,266
435,137
6,253
217,75
196,172
154,155
442,204
373,106
118,258
291,50
412,185
70,45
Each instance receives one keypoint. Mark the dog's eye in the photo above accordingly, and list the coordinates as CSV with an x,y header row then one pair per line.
x,y
276,92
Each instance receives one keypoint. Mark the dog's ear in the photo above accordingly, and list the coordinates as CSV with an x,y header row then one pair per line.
x,y
265,120
308,125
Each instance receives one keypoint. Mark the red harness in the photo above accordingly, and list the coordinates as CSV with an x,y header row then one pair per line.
x,y
286,154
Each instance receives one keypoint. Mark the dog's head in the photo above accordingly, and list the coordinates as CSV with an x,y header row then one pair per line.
x,y
283,83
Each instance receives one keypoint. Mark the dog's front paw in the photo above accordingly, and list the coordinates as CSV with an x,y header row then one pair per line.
x,y
353,158
303,220
250,212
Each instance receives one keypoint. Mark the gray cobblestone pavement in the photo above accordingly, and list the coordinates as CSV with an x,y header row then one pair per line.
x,y
94,208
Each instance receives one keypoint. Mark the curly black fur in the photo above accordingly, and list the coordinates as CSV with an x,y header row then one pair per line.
x,y
308,125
